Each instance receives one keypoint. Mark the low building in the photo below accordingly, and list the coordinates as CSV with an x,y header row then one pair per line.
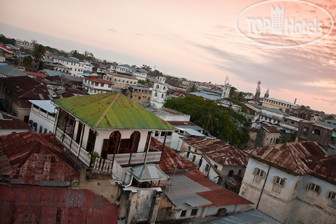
x,y
278,104
42,116
120,81
17,91
140,74
75,66
291,123
263,134
139,94
216,159
271,115
10,124
321,132
95,85
292,182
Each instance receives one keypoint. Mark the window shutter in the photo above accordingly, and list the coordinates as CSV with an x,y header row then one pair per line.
x,y
282,182
308,186
275,180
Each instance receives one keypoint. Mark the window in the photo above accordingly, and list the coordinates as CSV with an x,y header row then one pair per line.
x,y
332,199
317,132
207,167
101,84
194,158
258,174
156,133
314,187
278,184
194,212
183,213
230,174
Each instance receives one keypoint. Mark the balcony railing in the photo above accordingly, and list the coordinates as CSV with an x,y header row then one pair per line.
x,y
136,158
73,146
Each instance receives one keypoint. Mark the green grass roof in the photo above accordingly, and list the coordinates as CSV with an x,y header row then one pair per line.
x,y
111,111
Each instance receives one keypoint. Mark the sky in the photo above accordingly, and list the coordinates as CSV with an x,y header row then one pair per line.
x,y
194,39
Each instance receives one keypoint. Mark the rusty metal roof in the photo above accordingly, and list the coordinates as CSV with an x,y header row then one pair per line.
x,y
172,161
325,169
298,158
37,159
8,121
54,205
219,151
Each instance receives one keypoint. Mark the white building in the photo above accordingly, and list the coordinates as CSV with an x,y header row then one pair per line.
x,y
42,116
124,69
292,182
75,66
271,115
140,74
226,89
95,85
159,93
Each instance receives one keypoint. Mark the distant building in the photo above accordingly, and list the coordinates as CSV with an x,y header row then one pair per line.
x,y
120,81
139,94
95,85
75,66
257,94
159,93
321,132
292,182
266,94
263,135
226,89
291,123
24,44
124,69
271,115
278,104
140,74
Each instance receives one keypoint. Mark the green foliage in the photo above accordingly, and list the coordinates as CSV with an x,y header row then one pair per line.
x,y
88,56
155,73
221,122
38,52
5,40
27,61
193,88
147,68
288,138
236,101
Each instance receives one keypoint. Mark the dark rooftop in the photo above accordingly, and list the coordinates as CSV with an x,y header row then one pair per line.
x,y
8,121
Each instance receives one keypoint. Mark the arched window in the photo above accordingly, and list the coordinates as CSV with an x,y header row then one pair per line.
x,y
135,138
111,144
162,95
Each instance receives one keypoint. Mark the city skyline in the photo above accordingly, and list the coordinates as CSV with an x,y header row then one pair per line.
x,y
195,40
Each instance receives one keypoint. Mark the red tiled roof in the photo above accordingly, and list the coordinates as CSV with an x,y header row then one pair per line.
x,y
218,195
294,157
219,151
41,75
96,79
29,158
53,205
12,122
172,161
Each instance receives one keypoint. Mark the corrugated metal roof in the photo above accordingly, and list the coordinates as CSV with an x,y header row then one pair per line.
x,y
10,71
192,132
148,172
8,121
172,161
53,205
294,157
29,158
325,169
248,217
196,190
112,111
219,151
45,105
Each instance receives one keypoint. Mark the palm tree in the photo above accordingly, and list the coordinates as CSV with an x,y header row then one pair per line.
x,y
27,61
38,53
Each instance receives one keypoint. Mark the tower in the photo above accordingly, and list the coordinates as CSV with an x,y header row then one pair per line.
x,y
159,93
226,88
257,94
266,94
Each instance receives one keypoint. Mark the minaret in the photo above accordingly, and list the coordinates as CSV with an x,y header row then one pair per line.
x,y
159,93
266,94
226,88
257,94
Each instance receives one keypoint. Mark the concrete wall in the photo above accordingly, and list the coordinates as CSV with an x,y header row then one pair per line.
x,y
43,120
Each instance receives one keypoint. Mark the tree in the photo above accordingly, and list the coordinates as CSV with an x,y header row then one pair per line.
x,y
147,68
38,52
193,88
27,61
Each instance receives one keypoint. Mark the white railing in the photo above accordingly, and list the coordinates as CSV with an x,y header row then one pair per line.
x,y
137,158
105,166
73,147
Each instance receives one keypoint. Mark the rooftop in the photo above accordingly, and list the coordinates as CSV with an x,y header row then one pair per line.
x,y
36,74
196,190
282,101
45,105
72,59
111,111
172,161
148,172
55,205
298,158
11,71
325,169
219,151
37,159
97,79
24,87
8,121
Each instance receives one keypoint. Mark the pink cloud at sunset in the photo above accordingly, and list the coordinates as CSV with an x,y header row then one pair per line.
x,y
197,40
